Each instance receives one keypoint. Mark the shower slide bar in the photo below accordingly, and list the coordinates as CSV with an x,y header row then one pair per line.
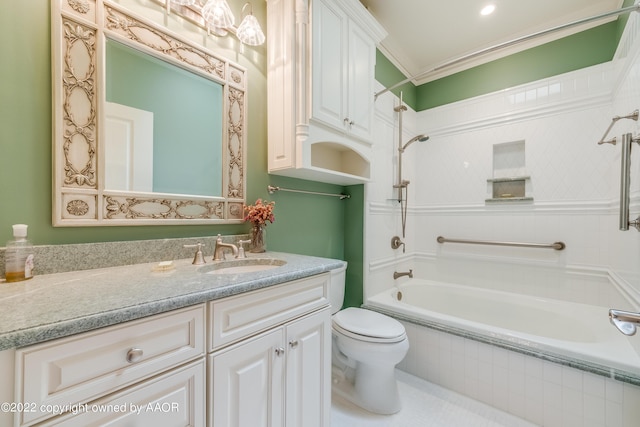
x,y
556,245
273,189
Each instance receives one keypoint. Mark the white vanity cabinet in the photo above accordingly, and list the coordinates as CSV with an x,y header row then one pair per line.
x,y
136,360
280,376
321,89
259,358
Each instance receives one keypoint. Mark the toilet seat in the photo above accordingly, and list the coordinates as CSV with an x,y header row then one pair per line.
x,y
369,326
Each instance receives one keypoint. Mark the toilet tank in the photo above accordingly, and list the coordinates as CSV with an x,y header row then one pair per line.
x,y
336,290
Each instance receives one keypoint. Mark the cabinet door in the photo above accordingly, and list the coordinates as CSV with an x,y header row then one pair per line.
x,y
361,75
308,391
329,79
247,383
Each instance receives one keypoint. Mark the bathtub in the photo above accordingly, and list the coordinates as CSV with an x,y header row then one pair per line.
x,y
577,335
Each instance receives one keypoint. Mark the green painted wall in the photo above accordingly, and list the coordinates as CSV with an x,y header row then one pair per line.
x,y
354,245
387,74
306,220
305,225
590,47
581,50
308,225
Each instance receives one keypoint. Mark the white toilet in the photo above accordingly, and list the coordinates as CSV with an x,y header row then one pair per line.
x,y
366,347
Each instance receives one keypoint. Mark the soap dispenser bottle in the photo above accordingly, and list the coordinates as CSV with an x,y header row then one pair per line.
x,y
18,256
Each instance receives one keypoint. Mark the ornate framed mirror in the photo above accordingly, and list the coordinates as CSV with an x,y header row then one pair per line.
x,y
148,127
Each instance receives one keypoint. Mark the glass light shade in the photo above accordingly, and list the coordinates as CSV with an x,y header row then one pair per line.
x,y
218,14
249,31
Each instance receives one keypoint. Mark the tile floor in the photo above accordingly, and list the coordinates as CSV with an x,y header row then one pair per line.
x,y
425,405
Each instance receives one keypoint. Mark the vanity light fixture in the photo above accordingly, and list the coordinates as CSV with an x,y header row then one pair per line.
x,y
217,14
249,31
218,19
184,2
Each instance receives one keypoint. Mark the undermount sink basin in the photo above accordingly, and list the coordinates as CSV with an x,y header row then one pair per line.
x,y
239,266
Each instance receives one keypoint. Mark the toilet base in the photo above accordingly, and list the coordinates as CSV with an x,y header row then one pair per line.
x,y
373,388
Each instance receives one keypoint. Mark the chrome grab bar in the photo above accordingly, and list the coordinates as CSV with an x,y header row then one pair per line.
x,y
555,245
625,182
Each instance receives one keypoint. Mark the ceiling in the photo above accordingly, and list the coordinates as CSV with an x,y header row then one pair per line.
x,y
424,34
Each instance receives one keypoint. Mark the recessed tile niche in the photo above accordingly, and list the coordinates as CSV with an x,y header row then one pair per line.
x,y
510,181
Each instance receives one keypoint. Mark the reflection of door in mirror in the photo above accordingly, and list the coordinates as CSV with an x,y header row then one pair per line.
x,y
129,154
187,119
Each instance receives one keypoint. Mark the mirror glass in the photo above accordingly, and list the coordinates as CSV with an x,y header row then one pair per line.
x,y
159,116
148,125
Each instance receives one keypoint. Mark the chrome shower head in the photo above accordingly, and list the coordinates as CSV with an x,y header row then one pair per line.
x,y
421,138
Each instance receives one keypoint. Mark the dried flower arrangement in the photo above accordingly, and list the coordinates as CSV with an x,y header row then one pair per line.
x,y
260,213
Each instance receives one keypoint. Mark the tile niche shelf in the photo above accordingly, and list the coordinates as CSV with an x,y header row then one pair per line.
x,y
510,182
508,189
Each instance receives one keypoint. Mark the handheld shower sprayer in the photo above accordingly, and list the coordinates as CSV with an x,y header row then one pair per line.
x,y
420,138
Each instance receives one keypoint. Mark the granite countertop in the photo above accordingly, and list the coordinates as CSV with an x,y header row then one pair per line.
x,y
57,305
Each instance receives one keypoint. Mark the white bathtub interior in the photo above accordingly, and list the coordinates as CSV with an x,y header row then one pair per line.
x,y
572,333
566,366
552,311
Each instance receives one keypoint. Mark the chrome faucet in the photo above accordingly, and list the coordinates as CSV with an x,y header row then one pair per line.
x,y
404,273
218,252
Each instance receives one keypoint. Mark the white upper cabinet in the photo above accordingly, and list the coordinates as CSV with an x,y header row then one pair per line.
x,y
343,69
321,89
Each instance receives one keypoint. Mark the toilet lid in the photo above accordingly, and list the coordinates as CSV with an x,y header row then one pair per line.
x,y
368,325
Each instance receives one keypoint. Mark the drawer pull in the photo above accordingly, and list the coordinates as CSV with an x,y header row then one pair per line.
x,y
134,354
279,351
293,343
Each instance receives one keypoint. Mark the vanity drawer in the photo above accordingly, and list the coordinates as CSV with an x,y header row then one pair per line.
x,y
237,317
83,367
176,398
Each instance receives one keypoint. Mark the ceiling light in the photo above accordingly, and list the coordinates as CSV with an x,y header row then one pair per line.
x,y
488,10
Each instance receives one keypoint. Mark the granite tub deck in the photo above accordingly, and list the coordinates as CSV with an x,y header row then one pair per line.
x,y
61,304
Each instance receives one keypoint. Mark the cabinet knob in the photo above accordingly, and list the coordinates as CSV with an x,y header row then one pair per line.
x,y
348,122
134,354
293,343
279,351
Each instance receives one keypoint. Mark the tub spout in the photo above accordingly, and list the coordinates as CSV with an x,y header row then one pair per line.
x,y
397,274
625,321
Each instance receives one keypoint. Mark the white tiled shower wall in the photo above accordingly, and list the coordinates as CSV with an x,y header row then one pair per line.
x,y
574,183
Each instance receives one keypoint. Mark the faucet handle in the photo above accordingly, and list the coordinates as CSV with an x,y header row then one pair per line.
x,y
241,251
198,258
